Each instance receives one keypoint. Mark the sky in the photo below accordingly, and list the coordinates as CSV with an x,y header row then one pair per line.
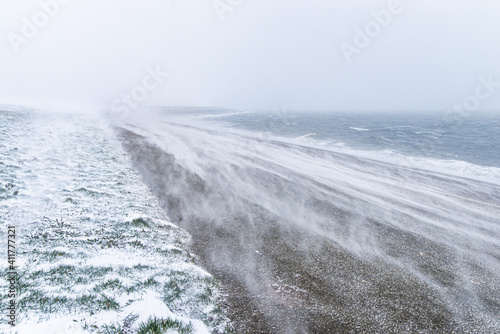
x,y
337,55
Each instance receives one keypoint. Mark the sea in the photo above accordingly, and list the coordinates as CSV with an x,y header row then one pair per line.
x,y
473,138
342,221
374,222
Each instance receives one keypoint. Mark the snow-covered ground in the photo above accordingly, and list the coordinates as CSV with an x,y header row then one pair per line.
x,y
95,253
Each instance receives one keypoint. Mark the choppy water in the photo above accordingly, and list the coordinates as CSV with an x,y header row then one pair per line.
x,y
474,138
357,237
313,224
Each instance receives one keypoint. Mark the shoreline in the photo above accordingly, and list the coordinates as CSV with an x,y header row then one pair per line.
x,y
281,278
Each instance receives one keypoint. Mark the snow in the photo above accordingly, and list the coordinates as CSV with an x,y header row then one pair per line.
x,y
93,244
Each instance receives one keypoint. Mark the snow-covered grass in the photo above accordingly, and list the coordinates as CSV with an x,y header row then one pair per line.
x,y
95,253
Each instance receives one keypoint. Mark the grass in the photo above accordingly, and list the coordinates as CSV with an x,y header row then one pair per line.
x,y
114,328
38,300
206,296
150,282
139,222
114,284
67,275
70,200
141,267
97,303
51,290
180,290
93,212
54,255
156,325
137,243
172,292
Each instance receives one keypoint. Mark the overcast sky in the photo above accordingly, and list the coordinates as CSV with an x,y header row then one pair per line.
x,y
252,54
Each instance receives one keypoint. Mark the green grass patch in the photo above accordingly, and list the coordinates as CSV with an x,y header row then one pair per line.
x,y
150,282
160,326
172,292
94,303
139,222
114,284
37,300
52,256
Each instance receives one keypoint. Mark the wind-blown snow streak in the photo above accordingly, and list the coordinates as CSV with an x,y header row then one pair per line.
x,y
95,252
381,241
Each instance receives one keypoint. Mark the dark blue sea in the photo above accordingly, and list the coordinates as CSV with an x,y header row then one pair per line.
x,y
474,138
390,220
